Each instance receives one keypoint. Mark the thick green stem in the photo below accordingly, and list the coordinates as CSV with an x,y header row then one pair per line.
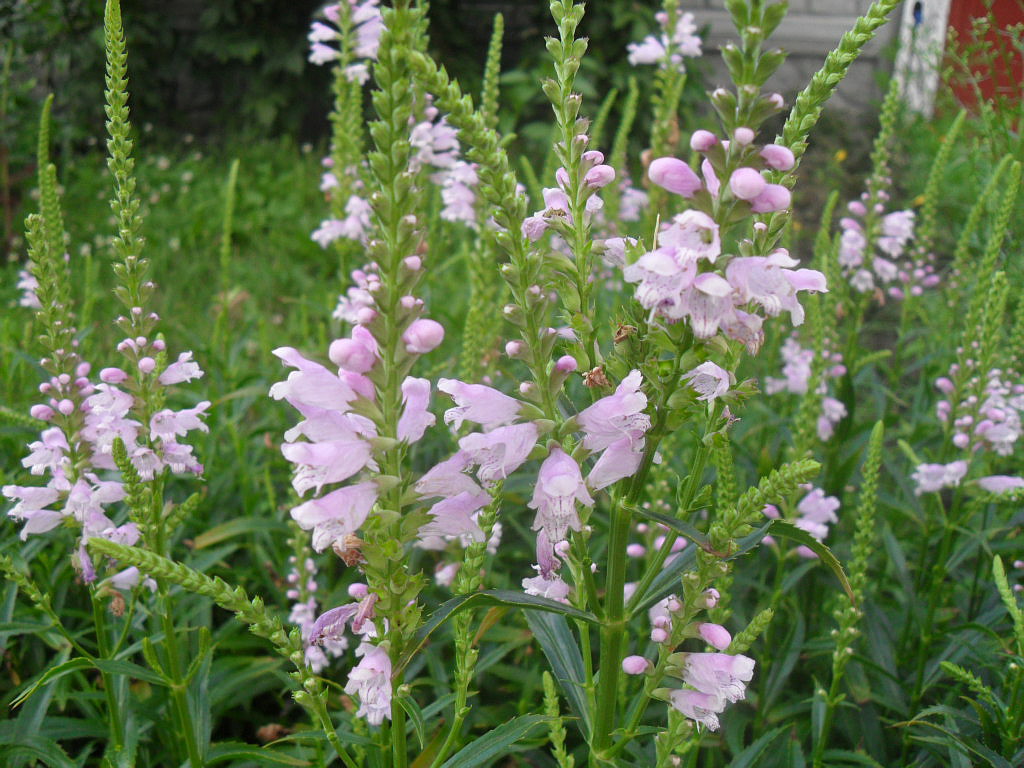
x,y
109,681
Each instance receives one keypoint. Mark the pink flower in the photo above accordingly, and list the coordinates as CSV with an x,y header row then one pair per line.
x,y
674,175
702,141
326,462
774,197
330,625
559,486
337,514
616,416
166,423
552,588
935,477
447,478
478,403
371,681
423,336
719,674
500,452
709,380
415,417
311,385
702,708
1000,483
176,373
768,281
662,276
695,233
32,507
620,459
454,517
708,303
358,354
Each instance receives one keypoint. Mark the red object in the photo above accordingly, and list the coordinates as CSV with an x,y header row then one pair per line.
x,y
1001,75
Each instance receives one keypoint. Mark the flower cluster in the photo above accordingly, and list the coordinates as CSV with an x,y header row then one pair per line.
x,y
875,250
302,588
557,211
364,18
671,47
796,376
686,276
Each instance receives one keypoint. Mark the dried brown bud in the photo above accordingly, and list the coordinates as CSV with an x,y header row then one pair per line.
x,y
348,550
595,378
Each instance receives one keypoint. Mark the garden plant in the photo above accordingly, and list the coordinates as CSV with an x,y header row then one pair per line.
x,y
440,451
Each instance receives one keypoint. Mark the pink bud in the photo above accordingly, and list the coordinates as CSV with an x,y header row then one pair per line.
x,y
715,635
635,665
562,549
423,336
674,175
636,550
774,198
147,365
777,101
407,302
113,375
562,177
593,157
514,348
770,510
711,597
357,590
702,141
527,387
673,605
41,412
66,407
659,635
856,207
159,345
599,176
352,355
746,183
83,369
566,364
365,315
961,440
743,136
413,263
642,528
778,157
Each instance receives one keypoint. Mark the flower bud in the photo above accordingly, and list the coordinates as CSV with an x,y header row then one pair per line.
x,y
715,635
66,407
147,364
743,136
636,550
702,140
357,590
599,176
423,336
711,597
566,364
674,175
746,183
514,348
778,157
635,665
113,375
41,412
659,635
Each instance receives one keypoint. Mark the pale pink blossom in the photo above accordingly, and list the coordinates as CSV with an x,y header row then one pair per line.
x,y
559,486
719,674
448,478
709,380
371,681
454,517
702,708
337,514
478,403
695,233
616,416
500,452
619,460
184,369
415,417
1000,483
674,175
553,588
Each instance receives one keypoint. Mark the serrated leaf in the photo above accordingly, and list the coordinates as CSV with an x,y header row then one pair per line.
x,y
786,530
53,673
495,743
563,654
505,597
232,750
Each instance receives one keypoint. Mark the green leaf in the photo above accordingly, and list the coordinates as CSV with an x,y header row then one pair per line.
x,y
237,527
562,650
495,743
236,750
681,527
415,717
53,673
748,758
46,750
786,530
505,597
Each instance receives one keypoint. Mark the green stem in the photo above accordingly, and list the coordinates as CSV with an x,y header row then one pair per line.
x,y
109,682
